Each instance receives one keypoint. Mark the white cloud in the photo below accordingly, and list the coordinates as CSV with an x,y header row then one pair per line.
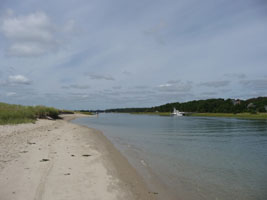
x,y
165,85
19,79
175,86
35,26
29,35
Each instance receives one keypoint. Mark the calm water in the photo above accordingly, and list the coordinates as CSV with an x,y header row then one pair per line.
x,y
194,157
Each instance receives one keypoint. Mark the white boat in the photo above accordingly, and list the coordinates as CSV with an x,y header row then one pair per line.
x,y
177,112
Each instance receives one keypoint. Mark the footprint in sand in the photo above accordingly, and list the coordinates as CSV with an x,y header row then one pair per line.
x,y
44,160
86,155
31,143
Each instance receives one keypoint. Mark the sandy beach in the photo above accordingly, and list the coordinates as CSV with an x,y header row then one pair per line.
x,y
56,159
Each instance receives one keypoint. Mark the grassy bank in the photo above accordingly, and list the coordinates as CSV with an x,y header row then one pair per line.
x,y
238,115
16,114
84,112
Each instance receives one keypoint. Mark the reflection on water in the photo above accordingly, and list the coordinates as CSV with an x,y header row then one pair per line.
x,y
196,157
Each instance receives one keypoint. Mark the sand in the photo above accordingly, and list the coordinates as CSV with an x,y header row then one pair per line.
x,y
52,160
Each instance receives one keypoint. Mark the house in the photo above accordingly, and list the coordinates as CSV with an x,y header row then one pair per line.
x,y
250,105
236,102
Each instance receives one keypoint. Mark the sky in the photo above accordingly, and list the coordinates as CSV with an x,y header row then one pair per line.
x,y
98,54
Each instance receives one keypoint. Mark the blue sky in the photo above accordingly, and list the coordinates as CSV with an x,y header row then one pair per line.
x,y
81,54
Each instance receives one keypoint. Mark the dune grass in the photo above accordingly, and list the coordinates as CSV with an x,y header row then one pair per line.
x,y
16,114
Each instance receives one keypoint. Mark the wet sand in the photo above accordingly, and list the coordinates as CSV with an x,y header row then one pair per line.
x,y
61,160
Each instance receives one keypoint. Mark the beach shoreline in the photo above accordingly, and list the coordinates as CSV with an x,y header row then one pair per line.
x,y
152,181
57,159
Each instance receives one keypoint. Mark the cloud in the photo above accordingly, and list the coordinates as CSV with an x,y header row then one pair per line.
x,y
215,84
19,79
216,38
69,26
27,49
76,86
156,28
165,85
3,83
235,75
31,35
257,84
100,77
140,87
116,87
173,81
32,27
127,73
175,86
9,94
78,95
156,32
209,93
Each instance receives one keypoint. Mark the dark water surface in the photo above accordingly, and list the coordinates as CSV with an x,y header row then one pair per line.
x,y
194,157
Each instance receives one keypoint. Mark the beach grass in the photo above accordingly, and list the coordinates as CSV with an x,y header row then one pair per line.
x,y
16,114
238,115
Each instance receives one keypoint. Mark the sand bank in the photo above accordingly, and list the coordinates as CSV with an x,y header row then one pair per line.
x,y
60,160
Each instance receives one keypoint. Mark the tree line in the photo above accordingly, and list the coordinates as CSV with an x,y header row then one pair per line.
x,y
206,106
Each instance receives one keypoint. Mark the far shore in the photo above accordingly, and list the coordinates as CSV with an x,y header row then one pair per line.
x,y
230,115
56,159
